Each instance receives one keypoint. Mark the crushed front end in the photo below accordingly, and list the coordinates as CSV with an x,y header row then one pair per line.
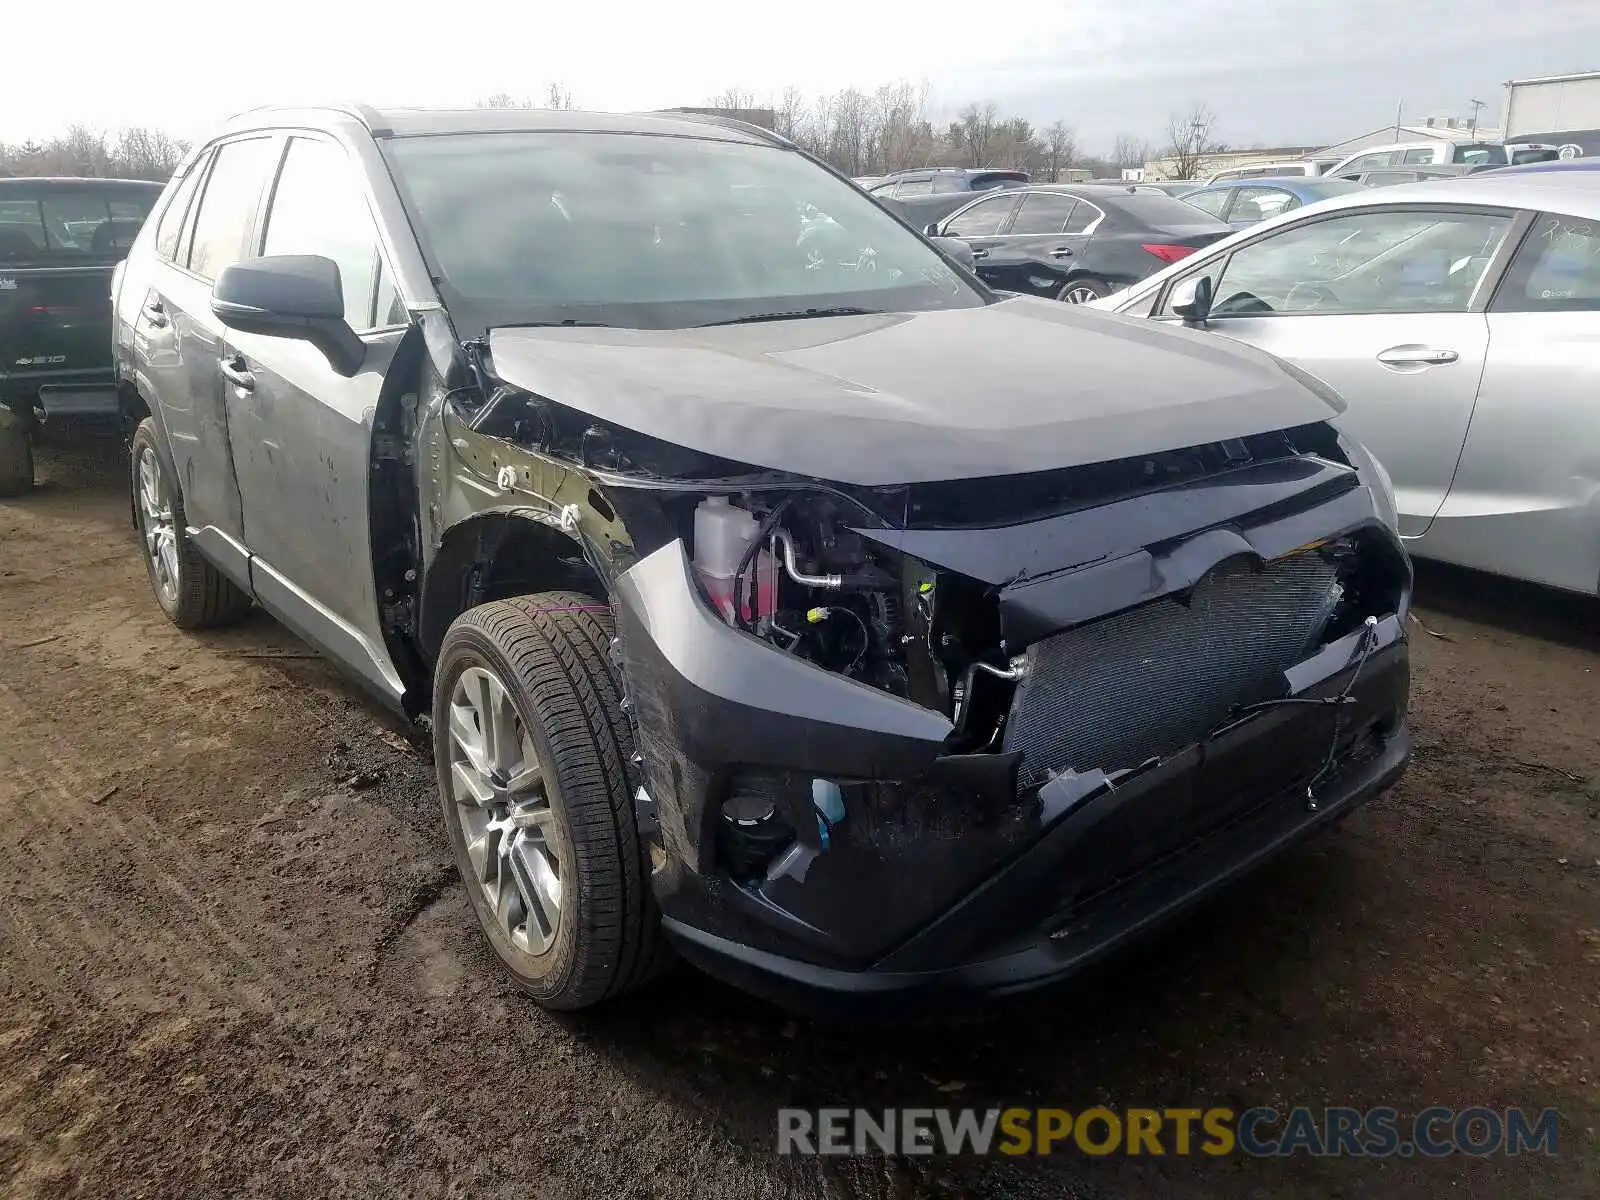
x,y
963,738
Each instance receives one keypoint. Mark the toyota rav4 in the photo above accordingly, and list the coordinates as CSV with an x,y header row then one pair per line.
x,y
771,590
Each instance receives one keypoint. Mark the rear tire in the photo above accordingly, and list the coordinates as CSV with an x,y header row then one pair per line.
x,y
192,592
1081,291
16,453
534,758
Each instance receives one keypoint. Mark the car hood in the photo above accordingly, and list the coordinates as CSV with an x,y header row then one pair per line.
x,y
1020,385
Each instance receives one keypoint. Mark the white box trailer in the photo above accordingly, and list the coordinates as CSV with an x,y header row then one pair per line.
x,y
1562,110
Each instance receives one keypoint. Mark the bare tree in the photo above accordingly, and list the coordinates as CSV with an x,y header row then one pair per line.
x,y
1129,151
558,96
904,137
1189,140
972,133
1061,148
502,100
791,117
734,100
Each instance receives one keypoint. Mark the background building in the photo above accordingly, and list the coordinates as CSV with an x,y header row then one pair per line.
x,y
1561,109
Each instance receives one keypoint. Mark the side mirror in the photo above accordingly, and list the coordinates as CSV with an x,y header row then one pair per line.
x,y
1191,300
290,295
958,250
931,229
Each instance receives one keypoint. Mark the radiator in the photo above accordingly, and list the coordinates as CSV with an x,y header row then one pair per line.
x,y
1114,693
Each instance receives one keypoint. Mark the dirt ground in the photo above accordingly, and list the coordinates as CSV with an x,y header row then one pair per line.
x,y
235,960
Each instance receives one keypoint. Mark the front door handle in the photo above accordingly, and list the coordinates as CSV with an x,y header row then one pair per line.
x,y
1416,356
235,372
156,313
980,253
1061,252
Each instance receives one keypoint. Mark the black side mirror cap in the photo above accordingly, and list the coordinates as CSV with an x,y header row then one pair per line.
x,y
290,295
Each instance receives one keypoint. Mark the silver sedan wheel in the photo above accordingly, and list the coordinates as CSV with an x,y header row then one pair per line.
x,y
1080,295
501,800
160,531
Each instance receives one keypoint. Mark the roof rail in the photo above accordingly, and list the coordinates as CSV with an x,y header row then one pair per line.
x,y
364,113
760,131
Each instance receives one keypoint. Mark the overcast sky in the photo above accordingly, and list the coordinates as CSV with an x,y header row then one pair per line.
x,y
1274,71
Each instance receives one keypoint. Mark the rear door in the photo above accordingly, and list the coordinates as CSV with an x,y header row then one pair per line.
x,y
1036,254
185,340
1524,501
981,226
1385,305
302,433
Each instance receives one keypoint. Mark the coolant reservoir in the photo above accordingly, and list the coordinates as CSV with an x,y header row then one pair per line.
x,y
722,533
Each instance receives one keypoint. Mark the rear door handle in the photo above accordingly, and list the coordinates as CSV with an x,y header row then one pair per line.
x,y
1406,356
1061,252
156,313
235,372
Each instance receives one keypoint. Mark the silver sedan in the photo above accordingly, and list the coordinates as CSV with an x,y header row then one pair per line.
x,y
1460,320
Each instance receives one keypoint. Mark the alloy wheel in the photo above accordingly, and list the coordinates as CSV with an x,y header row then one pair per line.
x,y
158,527
1080,295
500,797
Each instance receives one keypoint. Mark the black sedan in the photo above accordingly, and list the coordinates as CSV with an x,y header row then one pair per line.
x,y
1076,243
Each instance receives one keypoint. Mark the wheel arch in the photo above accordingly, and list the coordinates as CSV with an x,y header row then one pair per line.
x,y
497,554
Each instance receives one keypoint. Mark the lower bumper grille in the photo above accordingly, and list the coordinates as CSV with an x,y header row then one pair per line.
x,y
1115,693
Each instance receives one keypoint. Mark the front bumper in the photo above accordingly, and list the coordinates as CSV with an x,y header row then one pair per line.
x,y
951,875
1017,958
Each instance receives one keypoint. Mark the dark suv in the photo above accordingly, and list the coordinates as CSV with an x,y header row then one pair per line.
x,y
60,240
771,589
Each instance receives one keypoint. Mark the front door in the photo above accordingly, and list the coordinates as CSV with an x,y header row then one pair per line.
x,y
1385,306
302,433
1036,255
981,225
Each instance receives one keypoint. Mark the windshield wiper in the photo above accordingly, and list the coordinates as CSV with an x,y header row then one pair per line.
x,y
843,310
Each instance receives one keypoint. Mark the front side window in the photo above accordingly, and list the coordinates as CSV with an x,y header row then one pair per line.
x,y
1369,262
986,218
1043,212
1370,162
228,205
1557,268
1421,154
653,232
317,208
1481,153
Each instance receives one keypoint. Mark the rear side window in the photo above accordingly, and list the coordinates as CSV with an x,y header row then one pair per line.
x,y
1043,212
56,225
228,205
913,187
318,208
1556,270
1210,202
171,226
1422,154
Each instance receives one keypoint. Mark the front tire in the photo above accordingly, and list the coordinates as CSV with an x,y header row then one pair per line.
x,y
535,776
1081,291
16,452
192,592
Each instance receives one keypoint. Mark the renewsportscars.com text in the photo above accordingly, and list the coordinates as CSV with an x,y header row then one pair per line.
x,y
1259,1132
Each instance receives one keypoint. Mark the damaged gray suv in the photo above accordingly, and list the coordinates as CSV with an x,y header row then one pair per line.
x,y
774,594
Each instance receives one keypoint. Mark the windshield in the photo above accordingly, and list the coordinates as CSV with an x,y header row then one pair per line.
x,y
657,232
